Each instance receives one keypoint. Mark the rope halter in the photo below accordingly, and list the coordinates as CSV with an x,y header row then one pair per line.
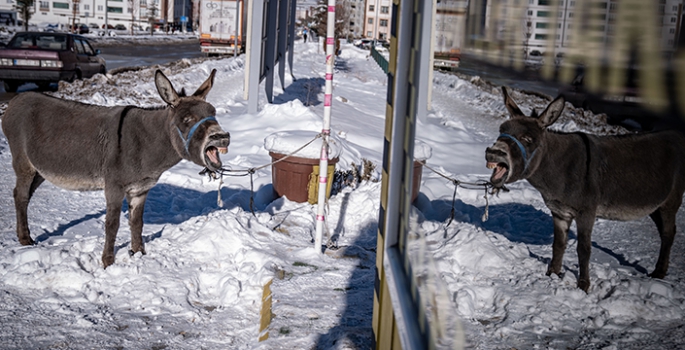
x,y
526,159
186,141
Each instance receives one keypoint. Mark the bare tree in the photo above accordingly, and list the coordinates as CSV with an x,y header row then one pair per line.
x,y
152,12
318,20
25,10
131,6
74,12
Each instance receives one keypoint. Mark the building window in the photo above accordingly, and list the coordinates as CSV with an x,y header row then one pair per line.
x,y
542,25
385,9
570,15
530,12
543,13
383,23
369,34
540,36
671,31
86,7
100,8
372,8
572,3
115,9
672,19
60,5
544,2
44,4
370,21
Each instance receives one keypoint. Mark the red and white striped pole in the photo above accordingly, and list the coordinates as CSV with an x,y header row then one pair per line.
x,y
326,131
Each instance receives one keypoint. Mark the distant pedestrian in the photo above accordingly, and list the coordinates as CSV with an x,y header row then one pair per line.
x,y
304,34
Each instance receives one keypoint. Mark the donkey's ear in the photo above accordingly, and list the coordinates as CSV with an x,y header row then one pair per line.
x,y
165,89
513,109
552,112
203,90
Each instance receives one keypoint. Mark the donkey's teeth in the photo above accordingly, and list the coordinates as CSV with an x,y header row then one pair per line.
x,y
491,165
223,150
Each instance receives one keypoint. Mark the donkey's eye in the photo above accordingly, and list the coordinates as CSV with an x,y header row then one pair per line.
x,y
527,139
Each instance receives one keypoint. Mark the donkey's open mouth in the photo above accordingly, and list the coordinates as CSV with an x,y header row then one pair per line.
x,y
498,162
217,144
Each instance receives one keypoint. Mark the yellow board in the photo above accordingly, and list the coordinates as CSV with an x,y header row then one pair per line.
x,y
265,315
313,187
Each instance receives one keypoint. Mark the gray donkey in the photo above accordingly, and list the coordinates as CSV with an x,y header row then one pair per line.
x,y
123,150
582,176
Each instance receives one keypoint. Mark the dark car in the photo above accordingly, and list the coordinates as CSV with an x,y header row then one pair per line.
x,y
82,28
43,58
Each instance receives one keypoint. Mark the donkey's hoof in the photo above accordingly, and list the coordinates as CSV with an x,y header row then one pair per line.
x,y
584,285
107,260
657,274
132,252
551,270
27,241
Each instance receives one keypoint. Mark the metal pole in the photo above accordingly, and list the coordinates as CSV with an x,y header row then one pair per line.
x,y
237,23
106,20
326,131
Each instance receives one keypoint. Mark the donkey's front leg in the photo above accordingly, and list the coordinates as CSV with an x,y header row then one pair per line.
x,y
561,225
585,223
136,206
114,197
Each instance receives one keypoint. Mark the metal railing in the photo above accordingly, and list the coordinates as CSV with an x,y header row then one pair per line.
x,y
379,58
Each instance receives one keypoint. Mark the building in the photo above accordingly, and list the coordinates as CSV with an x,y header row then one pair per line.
x,y
123,12
563,19
377,19
355,17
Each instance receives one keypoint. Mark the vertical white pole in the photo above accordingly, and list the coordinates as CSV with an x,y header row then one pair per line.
x,y
326,131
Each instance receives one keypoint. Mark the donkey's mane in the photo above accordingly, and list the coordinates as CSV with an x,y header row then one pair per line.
x,y
146,108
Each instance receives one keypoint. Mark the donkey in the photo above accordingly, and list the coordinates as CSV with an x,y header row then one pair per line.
x,y
123,150
582,176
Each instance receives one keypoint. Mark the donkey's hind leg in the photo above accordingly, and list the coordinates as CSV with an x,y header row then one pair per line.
x,y
136,207
664,218
27,183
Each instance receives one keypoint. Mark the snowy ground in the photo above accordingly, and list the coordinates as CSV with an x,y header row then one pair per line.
x,y
200,284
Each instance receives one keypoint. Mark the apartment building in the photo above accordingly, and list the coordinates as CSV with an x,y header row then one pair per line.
x,y
377,19
114,12
595,21
355,17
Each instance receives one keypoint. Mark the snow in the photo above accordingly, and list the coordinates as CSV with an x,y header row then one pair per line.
x,y
201,283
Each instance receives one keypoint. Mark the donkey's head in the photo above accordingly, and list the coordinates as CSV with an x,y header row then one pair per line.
x,y
195,133
518,149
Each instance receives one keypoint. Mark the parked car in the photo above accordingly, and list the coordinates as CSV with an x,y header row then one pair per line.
x,y
43,58
81,28
363,43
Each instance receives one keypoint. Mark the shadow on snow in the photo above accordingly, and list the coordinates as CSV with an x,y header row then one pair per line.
x,y
518,222
169,204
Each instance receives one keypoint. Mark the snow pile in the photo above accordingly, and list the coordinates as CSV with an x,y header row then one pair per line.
x,y
200,284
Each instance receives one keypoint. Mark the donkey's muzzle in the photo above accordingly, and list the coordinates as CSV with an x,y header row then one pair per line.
x,y
497,160
216,144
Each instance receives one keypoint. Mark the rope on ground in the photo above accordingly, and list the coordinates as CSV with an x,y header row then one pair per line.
x,y
485,185
219,174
